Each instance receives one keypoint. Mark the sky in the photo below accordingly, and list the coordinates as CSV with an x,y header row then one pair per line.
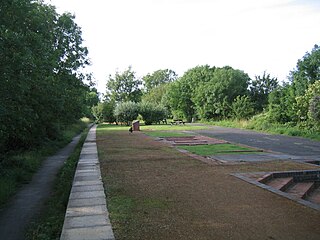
x,y
250,35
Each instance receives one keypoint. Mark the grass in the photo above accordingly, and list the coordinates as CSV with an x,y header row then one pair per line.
x,y
207,150
185,127
49,225
166,134
19,167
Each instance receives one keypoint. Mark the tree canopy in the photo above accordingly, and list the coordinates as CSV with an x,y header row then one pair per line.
x,y
124,87
41,57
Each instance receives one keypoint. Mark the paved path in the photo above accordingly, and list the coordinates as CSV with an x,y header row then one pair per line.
x,y
27,203
294,146
87,214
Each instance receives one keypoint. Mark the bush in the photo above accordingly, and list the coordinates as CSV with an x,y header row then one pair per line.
x,y
151,112
103,112
242,108
126,112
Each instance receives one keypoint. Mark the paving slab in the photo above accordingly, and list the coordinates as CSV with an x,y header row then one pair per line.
x,y
87,215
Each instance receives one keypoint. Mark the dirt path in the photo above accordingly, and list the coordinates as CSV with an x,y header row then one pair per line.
x,y
27,203
165,194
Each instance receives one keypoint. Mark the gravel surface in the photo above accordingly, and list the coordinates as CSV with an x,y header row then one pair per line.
x,y
175,196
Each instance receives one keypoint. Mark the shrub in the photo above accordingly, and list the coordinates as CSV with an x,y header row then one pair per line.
x,y
126,112
242,107
151,112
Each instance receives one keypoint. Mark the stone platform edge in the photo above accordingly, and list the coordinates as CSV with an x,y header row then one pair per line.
x,y
87,215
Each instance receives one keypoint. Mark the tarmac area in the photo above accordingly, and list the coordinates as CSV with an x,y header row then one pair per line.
x,y
275,146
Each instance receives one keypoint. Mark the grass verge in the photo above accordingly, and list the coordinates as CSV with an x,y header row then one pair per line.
x,y
49,225
213,149
18,168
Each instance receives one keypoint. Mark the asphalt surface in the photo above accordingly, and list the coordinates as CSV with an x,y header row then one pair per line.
x,y
27,203
294,146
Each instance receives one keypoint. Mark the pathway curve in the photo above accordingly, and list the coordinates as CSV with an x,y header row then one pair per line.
x,y
27,203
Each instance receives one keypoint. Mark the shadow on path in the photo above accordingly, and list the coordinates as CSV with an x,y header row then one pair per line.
x,y
27,203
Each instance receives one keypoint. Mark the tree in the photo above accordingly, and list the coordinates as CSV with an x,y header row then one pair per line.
x,y
180,93
42,90
104,112
156,94
124,87
307,71
158,78
281,102
260,88
213,98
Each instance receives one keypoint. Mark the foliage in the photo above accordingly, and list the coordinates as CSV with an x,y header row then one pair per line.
x,y
214,97
307,106
159,78
42,89
18,168
104,112
281,102
260,88
124,87
307,71
126,112
156,95
152,113
242,108
180,93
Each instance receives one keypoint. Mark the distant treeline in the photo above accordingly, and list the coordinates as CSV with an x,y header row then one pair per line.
x,y
212,93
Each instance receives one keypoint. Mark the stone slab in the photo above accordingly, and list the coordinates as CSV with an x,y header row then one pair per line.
x,y
86,211
87,215
86,202
92,233
85,188
86,194
86,221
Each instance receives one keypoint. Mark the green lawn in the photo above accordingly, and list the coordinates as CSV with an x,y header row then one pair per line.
x,y
182,127
166,134
208,150
168,127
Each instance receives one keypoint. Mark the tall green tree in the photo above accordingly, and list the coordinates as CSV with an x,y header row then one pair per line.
x,y
158,78
213,98
260,88
124,87
41,55
307,71
180,94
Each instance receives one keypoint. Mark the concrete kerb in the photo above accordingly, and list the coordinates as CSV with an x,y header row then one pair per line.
x,y
87,215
